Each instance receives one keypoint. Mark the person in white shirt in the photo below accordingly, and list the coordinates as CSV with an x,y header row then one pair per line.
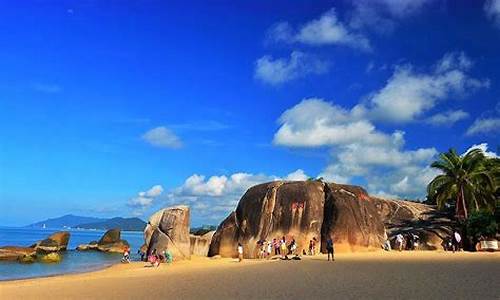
x,y
240,252
399,241
456,241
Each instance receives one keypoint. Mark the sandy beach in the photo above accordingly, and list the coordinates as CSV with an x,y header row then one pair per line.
x,y
361,275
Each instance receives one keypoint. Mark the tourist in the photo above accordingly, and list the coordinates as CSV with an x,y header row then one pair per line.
x,y
141,254
240,252
126,256
293,247
330,248
408,241
169,258
283,248
399,241
311,247
387,244
456,240
416,241
262,249
276,245
153,259
269,249
314,246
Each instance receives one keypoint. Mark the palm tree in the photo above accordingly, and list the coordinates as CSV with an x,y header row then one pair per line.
x,y
470,180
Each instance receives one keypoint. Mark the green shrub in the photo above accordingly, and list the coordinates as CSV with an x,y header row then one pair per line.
x,y
481,223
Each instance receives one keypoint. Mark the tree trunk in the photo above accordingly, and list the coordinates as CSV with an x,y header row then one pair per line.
x,y
461,209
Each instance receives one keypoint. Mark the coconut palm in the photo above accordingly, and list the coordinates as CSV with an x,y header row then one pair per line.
x,y
470,181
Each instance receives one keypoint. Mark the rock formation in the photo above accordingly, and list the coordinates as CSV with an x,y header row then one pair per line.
x,y
110,242
40,250
26,254
200,243
54,243
304,210
168,229
431,225
52,257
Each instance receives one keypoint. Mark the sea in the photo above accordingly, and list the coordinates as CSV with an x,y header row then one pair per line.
x,y
72,261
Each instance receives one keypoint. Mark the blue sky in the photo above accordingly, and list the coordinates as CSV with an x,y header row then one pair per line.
x,y
113,109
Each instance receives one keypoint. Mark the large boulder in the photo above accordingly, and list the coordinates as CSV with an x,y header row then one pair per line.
x,y
110,242
13,253
54,243
49,258
201,243
351,219
304,210
431,225
168,229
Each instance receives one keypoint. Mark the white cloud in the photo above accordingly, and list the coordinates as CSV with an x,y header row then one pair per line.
x,y
145,199
155,191
326,30
216,196
162,137
492,10
484,126
298,175
383,15
484,148
358,149
314,122
447,118
280,70
408,94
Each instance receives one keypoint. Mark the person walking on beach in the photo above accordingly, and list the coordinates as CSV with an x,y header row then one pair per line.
x,y
276,246
456,239
283,248
330,248
240,252
126,256
293,247
399,241
153,259
269,251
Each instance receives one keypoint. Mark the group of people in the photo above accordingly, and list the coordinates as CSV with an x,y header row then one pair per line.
x,y
411,241
453,242
154,259
280,247
284,249
408,241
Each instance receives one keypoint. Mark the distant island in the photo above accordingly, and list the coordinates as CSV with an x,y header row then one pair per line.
x,y
202,229
72,221
125,224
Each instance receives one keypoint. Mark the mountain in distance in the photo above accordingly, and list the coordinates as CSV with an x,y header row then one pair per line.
x,y
65,222
202,229
125,224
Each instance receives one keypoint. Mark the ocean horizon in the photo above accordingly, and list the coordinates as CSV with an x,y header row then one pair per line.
x,y
72,261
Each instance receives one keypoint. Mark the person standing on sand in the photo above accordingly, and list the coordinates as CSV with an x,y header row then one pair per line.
x,y
330,248
456,239
276,246
283,248
240,252
269,249
399,241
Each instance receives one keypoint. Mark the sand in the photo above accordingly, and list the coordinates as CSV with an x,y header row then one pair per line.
x,y
372,275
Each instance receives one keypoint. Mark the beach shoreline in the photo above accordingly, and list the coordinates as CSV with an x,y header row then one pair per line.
x,y
205,278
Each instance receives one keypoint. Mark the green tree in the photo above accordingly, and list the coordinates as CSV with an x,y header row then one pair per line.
x,y
469,181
